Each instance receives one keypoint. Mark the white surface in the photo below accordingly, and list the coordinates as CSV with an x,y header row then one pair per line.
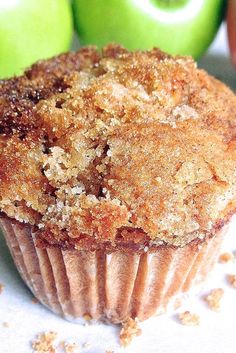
x,y
164,334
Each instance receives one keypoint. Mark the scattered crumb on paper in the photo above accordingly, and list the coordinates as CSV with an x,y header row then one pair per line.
x,y
129,330
232,280
1,288
226,257
189,319
213,299
45,343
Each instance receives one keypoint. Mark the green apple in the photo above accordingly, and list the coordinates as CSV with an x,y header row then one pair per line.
x,y
184,27
31,30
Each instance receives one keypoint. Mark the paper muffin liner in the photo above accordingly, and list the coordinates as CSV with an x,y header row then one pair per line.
x,y
112,287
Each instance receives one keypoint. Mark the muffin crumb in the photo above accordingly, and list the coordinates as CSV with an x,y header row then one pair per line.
x,y
1,288
226,257
69,347
34,301
45,343
232,280
129,330
87,345
87,317
213,299
6,324
177,303
189,319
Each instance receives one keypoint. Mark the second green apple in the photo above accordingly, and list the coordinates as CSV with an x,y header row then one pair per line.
x,y
184,27
31,30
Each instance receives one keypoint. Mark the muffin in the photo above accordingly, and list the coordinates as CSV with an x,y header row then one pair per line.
x,y
117,179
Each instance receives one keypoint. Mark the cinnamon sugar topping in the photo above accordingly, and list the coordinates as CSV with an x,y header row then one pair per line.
x,y
103,148
129,330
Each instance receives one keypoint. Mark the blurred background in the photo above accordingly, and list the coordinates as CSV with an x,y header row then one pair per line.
x,y
217,60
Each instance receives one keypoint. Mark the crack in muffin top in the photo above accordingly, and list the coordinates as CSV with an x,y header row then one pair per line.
x,y
112,146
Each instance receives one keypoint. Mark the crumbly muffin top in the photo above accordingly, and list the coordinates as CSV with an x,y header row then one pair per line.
x,y
112,146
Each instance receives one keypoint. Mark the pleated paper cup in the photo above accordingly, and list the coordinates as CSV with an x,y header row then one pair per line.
x,y
112,287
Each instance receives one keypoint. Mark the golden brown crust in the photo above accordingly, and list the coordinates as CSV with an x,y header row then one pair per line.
x,y
99,147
